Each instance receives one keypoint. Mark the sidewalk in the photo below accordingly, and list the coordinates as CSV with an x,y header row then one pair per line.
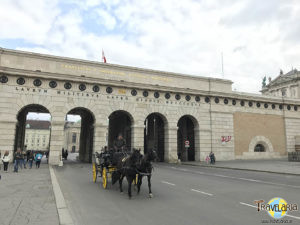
x,y
281,166
27,197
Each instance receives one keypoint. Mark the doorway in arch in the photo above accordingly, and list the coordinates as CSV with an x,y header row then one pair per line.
x,y
186,134
154,135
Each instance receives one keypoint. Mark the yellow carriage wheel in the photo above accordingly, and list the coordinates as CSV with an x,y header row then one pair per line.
x,y
94,173
104,178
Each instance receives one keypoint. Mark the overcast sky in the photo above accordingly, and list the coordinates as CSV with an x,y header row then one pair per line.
x,y
257,37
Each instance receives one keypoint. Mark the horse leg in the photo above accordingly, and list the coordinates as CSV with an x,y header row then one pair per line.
x,y
121,182
129,180
149,186
140,179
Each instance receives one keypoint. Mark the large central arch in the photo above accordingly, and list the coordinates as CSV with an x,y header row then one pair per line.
x,y
86,133
120,122
154,134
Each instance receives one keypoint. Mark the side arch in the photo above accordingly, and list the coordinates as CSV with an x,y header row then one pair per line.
x,y
261,140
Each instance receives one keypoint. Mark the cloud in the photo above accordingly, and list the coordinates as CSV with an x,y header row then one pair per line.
x,y
257,38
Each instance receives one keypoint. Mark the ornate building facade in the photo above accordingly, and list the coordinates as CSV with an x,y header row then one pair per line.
x,y
173,113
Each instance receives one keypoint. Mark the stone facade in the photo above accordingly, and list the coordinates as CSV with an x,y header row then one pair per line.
x,y
96,90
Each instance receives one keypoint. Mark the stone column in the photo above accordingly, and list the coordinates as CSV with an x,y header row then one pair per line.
x,y
171,144
137,137
100,136
205,143
7,136
197,144
56,141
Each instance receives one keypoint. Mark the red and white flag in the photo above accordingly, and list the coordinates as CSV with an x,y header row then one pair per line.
x,y
103,57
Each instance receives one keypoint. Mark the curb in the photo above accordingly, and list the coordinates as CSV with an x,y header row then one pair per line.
x,y
62,209
245,169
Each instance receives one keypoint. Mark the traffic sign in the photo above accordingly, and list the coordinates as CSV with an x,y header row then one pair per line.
x,y
186,144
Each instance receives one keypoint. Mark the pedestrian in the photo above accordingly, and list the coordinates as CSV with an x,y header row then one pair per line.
x,y
179,156
5,160
207,159
24,159
66,154
30,159
47,155
17,159
38,159
212,158
63,153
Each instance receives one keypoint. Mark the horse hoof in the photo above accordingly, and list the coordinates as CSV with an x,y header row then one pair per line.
x,y
151,195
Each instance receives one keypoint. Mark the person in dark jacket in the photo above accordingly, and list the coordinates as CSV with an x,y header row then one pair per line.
x,y
18,158
30,159
212,158
119,144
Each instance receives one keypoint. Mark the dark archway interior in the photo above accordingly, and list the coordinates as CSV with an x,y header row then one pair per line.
x,y
186,132
86,133
259,148
154,135
21,124
119,123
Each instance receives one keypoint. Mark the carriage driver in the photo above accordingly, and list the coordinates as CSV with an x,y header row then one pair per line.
x,y
119,144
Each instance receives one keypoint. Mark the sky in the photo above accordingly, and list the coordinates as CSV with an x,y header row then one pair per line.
x,y
256,37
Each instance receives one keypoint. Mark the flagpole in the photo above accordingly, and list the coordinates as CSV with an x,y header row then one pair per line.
x,y
222,65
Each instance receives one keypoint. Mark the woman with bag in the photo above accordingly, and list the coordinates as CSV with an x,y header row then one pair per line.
x,y
5,160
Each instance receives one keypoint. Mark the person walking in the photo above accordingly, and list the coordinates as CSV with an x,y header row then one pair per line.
x,y
5,160
17,159
24,159
30,159
38,159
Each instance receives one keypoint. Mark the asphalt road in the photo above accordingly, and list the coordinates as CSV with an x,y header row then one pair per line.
x,y
182,195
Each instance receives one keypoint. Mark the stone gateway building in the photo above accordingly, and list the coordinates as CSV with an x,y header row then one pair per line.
x,y
170,112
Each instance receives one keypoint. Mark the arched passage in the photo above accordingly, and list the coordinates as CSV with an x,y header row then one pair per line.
x,y
154,134
33,128
82,141
119,123
186,133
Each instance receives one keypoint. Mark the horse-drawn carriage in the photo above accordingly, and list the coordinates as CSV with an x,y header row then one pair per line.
x,y
113,166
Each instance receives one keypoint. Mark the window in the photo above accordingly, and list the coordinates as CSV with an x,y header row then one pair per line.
x,y
74,138
259,148
283,92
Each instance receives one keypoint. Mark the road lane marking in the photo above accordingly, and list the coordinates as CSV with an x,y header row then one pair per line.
x,y
237,178
295,217
243,203
165,182
259,181
202,192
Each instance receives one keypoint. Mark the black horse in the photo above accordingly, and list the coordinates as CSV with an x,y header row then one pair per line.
x,y
126,167
145,169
